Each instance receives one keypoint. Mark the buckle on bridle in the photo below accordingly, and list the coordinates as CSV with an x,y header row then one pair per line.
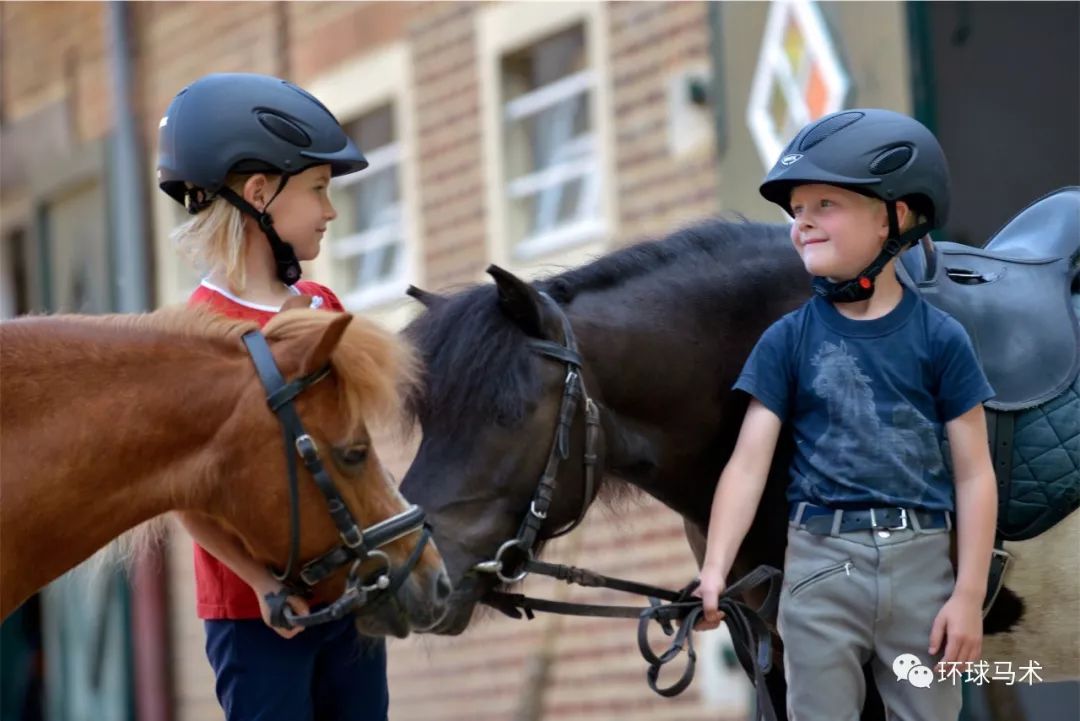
x,y
352,537
305,446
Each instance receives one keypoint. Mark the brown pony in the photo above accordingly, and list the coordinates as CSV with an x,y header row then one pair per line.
x,y
109,421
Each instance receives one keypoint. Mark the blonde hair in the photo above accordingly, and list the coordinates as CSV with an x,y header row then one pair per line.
x,y
214,238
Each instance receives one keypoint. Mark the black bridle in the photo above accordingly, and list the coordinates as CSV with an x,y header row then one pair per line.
x,y
515,558
357,546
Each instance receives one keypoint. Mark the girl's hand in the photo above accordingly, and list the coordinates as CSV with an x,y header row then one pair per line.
x,y
959,623
709,590
296,603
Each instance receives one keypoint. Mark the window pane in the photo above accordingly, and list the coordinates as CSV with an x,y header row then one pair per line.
x,y
552,207
375,200
352,270
374,129
543,63
369,232
542,140
388,266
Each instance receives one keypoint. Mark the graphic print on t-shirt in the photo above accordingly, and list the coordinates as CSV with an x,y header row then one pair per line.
x,y
856,443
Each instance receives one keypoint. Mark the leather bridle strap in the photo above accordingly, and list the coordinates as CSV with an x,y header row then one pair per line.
x,y
750,635
279,397
357,546
525,542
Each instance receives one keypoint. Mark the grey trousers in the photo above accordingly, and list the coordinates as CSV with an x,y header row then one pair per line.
x,y
852,597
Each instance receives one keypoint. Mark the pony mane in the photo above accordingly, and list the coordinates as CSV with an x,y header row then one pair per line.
x,y
373,366
480,358
709,241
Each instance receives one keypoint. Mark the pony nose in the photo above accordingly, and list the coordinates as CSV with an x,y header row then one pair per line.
x,y
442,590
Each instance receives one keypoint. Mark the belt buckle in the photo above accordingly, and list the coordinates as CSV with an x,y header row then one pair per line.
x,y
903,521
886,531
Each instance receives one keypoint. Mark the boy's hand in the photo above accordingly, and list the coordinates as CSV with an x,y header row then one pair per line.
x,y
709,590
296,603
959,623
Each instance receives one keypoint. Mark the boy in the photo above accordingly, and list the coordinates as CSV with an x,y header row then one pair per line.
x,y
869,377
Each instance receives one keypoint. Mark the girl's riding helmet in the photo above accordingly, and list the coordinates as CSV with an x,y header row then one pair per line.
x,y
242,122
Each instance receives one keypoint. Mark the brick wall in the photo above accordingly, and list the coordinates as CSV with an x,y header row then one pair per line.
x,y
594,670
651,43
449,147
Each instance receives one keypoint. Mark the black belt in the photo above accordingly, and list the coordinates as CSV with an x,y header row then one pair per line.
x,y
819,520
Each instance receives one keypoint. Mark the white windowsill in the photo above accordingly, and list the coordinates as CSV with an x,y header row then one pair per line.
x,y
562,238
376,294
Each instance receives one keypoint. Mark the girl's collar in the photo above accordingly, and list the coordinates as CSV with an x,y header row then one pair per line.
x,y
246,303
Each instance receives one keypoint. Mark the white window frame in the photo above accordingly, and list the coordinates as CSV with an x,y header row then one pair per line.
x,y
773,67
506,28
353,89
347,246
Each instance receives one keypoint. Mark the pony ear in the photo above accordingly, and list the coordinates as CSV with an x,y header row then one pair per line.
x,y
427,298
519,301
317,347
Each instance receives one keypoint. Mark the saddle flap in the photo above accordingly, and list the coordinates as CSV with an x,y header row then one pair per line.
x,y
1019,316
1014,297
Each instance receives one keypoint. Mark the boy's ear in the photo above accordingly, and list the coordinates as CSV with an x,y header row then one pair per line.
x,y
903,215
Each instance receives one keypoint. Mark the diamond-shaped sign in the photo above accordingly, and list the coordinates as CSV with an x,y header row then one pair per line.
x,y
798,77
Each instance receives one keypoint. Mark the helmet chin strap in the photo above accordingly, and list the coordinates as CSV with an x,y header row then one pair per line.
x,y
285,260
861,287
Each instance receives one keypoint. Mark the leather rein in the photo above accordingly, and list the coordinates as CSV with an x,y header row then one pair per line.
x,y
357,546
515,558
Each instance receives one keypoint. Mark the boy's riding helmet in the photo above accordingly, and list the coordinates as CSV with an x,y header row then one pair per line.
x,y
241,122
875,152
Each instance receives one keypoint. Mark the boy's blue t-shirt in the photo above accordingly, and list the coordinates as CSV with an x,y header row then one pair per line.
x,y
867,401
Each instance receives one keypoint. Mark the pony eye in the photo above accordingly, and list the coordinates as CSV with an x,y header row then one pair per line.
x,y
353,455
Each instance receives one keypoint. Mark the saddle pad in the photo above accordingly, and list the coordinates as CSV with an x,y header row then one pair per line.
x,y
1046,467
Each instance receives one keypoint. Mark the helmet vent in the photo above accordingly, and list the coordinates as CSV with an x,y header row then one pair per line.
x,y
283,128
891,160
827,127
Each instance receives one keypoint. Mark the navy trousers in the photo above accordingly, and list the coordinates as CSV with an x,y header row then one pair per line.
x,y
325,673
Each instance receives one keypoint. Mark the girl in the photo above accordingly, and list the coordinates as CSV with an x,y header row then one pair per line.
x,y
251,157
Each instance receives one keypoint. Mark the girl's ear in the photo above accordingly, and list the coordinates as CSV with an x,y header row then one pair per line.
x,y
255,190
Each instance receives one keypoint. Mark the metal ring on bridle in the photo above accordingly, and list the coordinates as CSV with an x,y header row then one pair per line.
x,y
383,581
495,565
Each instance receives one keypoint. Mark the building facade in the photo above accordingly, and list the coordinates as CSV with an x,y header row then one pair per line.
x,y
531,135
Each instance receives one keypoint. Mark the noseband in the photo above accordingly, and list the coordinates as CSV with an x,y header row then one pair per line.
x,y
357,546
514,559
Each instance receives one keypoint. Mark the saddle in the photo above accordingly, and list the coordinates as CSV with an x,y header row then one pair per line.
x,y
1014,298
